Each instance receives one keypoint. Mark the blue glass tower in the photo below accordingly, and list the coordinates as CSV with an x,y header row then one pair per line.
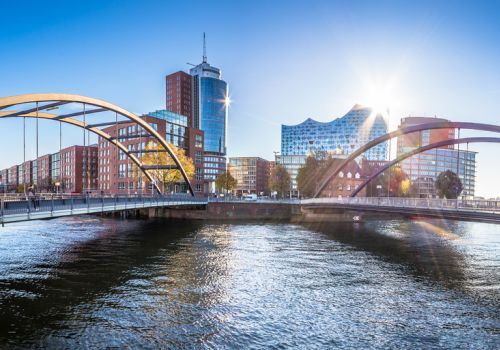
x,y
210,115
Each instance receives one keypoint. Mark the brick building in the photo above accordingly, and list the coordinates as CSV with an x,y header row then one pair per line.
x,y
345,182
78,169
179,94
118,174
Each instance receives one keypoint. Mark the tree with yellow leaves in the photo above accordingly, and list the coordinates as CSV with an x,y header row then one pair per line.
x,y
167,177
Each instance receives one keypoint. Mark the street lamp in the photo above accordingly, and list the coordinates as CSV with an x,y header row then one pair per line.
x,y
57,184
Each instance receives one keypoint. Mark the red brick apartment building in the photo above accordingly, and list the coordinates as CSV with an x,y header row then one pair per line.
x,y
78,169
75,172
119,175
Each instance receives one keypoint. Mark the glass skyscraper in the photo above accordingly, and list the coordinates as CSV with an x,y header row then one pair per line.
x,y
341,136
210,115
210,109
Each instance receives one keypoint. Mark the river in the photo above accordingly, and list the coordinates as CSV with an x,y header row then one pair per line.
x,y
91,282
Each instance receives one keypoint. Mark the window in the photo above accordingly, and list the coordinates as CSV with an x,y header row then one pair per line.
x,y
341,174
198,141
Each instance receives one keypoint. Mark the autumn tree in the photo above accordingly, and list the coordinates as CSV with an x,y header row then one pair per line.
x,y
398,181
226,181
156,155
279,181
448,185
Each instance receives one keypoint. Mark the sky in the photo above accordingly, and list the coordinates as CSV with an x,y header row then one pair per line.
x,y
285,61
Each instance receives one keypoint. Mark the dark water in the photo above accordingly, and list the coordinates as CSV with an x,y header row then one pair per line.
x,y
101,283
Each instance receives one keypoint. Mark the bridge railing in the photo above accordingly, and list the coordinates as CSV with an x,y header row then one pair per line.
x,y
252,200
53,203
428,203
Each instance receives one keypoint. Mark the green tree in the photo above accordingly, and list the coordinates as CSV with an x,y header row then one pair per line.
x,y
226,181
279,181
448,185
307,177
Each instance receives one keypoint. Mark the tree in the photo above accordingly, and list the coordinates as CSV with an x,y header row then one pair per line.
x,y
394,182
399,183
225,181
307,177
279,181
167,177
448,185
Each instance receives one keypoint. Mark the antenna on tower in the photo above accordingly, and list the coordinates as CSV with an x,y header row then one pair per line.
x,y
204,49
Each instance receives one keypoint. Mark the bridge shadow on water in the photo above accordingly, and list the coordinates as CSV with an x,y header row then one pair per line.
x,y
31,309
422,249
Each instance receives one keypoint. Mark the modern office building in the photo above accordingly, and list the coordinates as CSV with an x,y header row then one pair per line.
x,y
341,136
210,113
201,96
251,173
424,168
292,163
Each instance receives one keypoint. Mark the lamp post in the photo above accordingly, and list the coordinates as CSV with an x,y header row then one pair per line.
x,y
57,184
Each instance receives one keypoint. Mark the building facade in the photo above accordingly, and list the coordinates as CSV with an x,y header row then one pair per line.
x,y
340,136
78,169
119,175
179,96
346,181
424,168
202,96
292,163
251,174
210,112
72,170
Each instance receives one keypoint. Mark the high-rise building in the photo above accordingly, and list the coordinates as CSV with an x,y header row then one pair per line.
x,y
251,174
210,108
201,96
424,168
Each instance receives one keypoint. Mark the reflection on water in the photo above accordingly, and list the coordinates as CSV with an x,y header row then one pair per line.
x,y
88,282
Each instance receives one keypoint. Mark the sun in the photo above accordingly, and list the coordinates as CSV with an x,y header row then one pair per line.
x,y
380,101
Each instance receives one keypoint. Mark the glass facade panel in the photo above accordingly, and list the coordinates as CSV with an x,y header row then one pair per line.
x,y
342,135
213,93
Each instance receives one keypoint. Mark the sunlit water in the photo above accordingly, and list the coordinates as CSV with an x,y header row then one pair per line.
x,y
99,283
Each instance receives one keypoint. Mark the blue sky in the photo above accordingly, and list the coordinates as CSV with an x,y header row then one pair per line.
x,y
284,60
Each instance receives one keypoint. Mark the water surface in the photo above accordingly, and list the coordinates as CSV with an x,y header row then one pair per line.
x,y
99,283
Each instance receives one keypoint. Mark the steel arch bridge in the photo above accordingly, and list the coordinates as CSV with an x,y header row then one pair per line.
x,y
46,102
334,171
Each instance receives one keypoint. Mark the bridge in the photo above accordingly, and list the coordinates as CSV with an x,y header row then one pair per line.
x,y
389,207
52,206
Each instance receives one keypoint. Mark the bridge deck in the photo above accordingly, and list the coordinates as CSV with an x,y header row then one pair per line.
x,y
482,210
36,209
